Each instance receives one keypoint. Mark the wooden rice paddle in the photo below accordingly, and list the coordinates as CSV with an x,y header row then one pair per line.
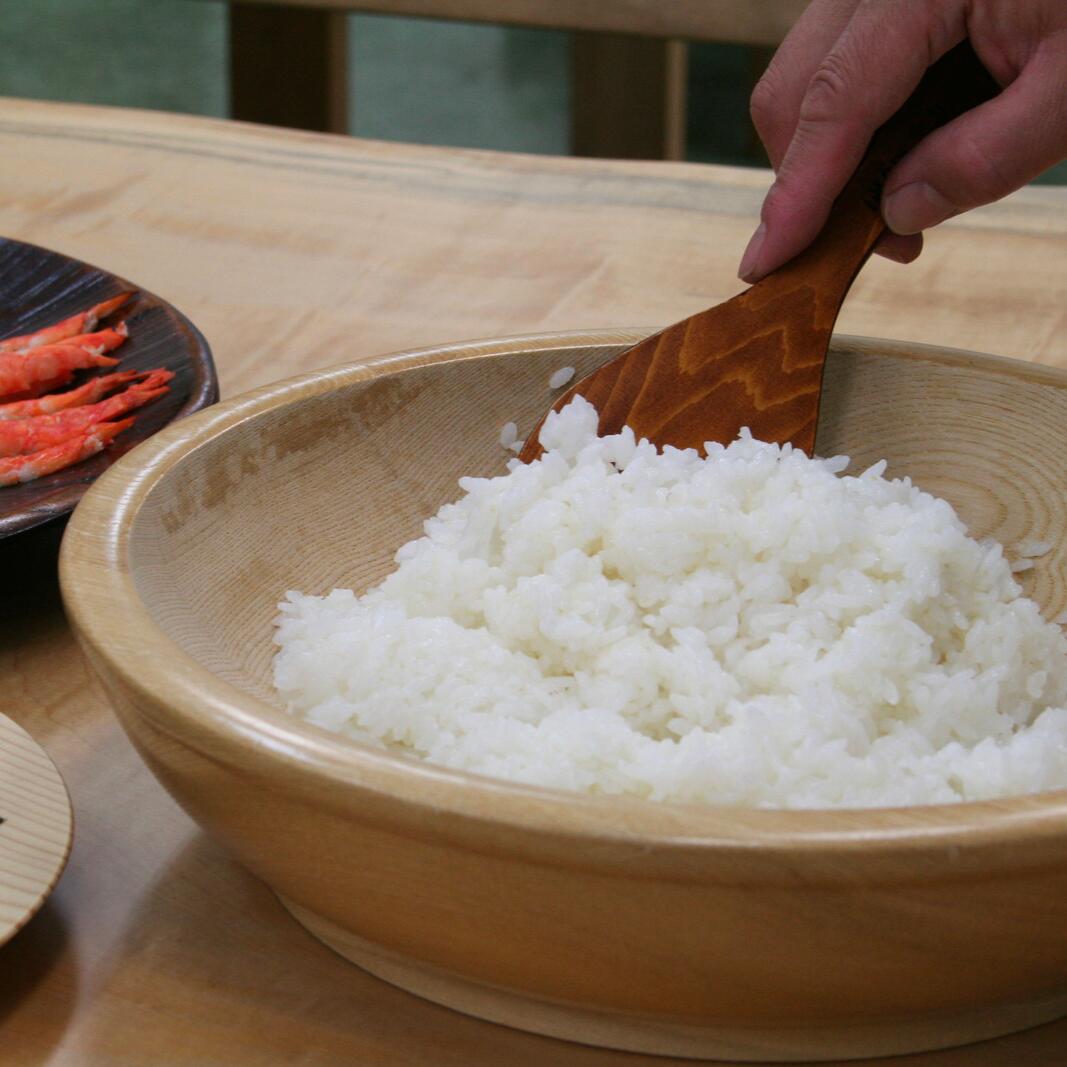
x,y
757,359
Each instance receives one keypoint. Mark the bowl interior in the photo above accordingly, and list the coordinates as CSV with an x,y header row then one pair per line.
x,y
320,484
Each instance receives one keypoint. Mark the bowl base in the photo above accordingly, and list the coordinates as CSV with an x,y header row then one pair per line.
x,y
888,1037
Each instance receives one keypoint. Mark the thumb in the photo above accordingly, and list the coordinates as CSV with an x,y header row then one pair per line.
x,y
984,154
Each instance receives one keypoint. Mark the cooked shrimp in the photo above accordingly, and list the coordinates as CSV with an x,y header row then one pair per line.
x,y
83,322
32,372
23,375
100,341
40,388
22,436
94,389
17,469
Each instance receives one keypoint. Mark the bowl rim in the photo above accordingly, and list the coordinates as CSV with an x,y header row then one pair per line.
x,y
229,725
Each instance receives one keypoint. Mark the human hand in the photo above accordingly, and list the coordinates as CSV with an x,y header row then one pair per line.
x,y
847,65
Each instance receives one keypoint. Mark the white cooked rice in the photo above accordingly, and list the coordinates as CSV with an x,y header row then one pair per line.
x,y
560,377
509,434
1033,549
751,629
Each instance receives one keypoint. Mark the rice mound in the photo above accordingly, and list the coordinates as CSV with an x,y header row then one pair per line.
x,y
753,628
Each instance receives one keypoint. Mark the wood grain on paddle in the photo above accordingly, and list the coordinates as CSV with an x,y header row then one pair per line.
x,y
756,361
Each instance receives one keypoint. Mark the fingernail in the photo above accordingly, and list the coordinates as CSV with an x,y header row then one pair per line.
x,y
915,207
894,255
749,269
897,255
899,248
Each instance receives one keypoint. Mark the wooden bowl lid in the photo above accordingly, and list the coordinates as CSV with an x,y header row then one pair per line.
x,y
36,826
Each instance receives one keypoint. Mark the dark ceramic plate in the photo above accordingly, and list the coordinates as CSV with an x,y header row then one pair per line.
x,y
39,287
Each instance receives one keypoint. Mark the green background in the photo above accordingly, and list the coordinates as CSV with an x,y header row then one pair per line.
x,y
411,79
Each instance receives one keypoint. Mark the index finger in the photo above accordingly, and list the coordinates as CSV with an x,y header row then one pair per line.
x,y
775,104
869,72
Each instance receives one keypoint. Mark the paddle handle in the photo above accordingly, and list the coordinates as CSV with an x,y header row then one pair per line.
x,y
757,359
956,83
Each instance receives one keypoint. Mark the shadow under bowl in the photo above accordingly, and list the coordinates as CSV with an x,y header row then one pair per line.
x,y
733,933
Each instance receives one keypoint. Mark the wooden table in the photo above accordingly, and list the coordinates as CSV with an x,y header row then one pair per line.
x,y
293,251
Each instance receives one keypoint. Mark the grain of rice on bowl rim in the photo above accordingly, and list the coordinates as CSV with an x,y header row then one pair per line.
x,y
754,628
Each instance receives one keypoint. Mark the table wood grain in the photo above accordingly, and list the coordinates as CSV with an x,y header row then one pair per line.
x,y
35,827
294,251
